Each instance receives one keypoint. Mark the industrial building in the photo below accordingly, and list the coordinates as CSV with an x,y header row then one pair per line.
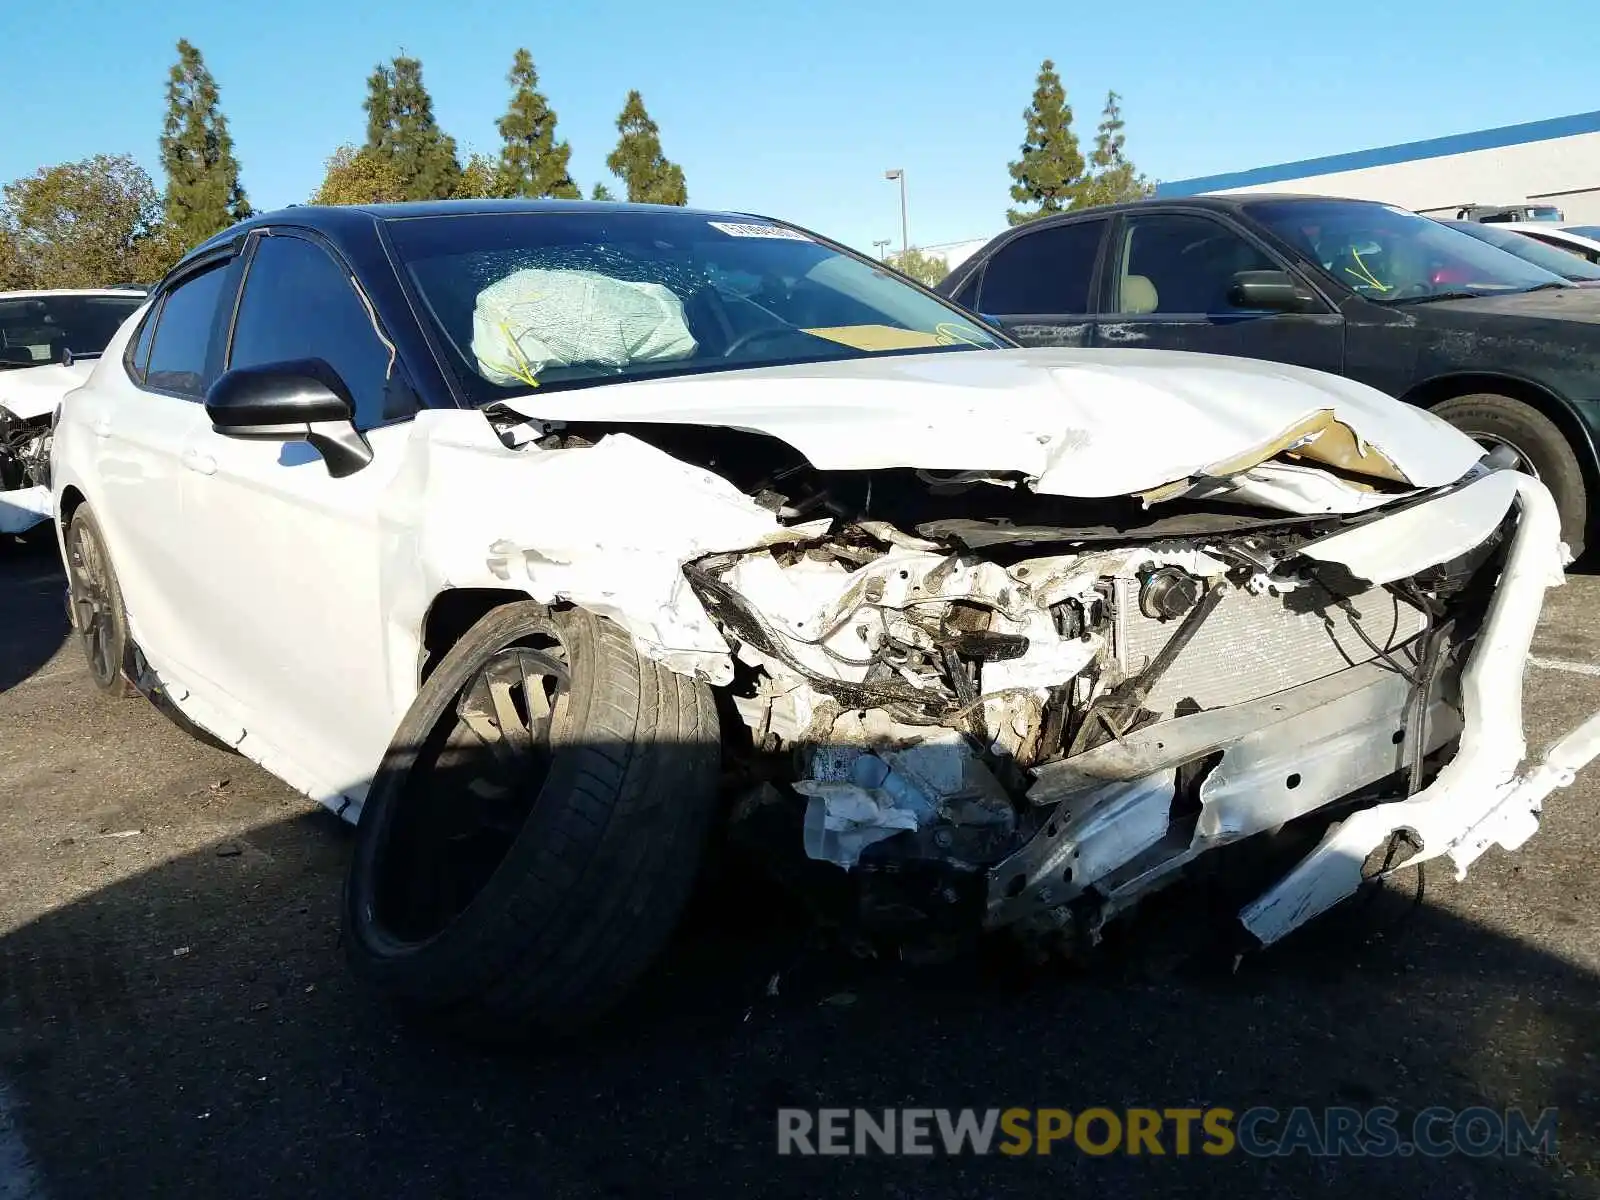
x,y
1554,162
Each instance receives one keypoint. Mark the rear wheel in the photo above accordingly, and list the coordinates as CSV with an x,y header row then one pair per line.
x,y
533,834
1537,446
97,612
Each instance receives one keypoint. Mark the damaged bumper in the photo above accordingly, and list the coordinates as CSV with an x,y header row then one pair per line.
x,y
1070,733
23,508
24,472
1484,795
975,731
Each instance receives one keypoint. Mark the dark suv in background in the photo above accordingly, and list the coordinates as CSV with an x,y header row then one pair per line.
x,y
1499,347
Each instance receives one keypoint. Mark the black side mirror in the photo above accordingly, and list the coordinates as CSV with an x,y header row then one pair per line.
x,y
299,401
1273,291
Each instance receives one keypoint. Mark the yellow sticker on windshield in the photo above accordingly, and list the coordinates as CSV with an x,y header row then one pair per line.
x,y
877,337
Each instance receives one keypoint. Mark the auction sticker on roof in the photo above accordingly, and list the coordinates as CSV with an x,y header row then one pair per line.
x,y
739,229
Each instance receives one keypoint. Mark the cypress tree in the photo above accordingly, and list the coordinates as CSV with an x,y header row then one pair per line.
x,y
532,162
1050,171
401,130
638,161
1113,178
203,191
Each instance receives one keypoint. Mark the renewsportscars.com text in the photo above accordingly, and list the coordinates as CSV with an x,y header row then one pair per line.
x,y
1258,1132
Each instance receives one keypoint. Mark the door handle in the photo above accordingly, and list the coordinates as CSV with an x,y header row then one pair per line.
x,y
102,427
203,463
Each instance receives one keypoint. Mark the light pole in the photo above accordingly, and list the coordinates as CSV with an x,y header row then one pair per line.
x,y
892,175
881,246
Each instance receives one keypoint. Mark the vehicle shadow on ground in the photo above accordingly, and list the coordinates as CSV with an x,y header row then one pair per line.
x,y
32,605
193,1030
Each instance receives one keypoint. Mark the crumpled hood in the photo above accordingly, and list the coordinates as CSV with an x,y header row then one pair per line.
x,y
35,391
1085,423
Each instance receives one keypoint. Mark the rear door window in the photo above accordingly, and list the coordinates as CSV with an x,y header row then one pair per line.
x,y
180,360
1047,271
138,356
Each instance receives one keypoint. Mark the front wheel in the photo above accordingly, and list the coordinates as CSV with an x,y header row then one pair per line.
x,y
533,834
97,612
1536,445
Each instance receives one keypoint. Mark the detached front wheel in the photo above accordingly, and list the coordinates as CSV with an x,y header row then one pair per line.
x,y
536,827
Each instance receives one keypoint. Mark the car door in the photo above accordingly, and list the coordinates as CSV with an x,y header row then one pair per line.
x,y
143,417
1038,285
1173,280
292,621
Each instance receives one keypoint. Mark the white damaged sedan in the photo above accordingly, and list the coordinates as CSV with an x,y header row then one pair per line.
x,y
48,342
548,542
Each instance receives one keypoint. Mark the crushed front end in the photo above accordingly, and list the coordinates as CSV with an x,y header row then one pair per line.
x,y
975,735
24,470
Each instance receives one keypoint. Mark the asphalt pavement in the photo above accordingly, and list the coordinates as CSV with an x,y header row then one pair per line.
x,y
176,1018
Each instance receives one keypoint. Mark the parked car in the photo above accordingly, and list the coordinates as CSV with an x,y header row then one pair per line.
x,y
541,539
48,341
1498,347
1581,241
1500,213
1541,253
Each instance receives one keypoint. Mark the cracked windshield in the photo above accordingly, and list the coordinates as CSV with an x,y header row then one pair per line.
x,y
552,300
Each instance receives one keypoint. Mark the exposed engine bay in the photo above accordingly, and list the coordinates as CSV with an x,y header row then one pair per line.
x,y
24,470
1043,740
991,708
24,451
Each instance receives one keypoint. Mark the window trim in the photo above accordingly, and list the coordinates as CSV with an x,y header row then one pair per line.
x,y
974,280
1109,291
152,316
1096,269
314,237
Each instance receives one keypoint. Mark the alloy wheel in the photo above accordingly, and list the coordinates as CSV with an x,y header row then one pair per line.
x,y
472,787
93,603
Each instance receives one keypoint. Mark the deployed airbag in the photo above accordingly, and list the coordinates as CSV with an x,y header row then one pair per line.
x,y
538,318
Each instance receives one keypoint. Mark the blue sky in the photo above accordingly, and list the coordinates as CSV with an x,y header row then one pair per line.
x,y
796,110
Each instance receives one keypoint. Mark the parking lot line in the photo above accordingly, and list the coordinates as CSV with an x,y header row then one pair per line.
x,y
1563,664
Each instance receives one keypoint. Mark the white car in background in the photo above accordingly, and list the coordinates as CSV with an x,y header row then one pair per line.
x,y
48,343
544,539
1553,257
1580,240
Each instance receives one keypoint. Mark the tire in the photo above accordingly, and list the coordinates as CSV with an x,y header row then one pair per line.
x,y
98,616
1538,442
597,861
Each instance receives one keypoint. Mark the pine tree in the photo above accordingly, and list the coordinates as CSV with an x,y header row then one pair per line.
x,y
203,191
1050,171
601,192
1113,178
532,162
638,161
401,129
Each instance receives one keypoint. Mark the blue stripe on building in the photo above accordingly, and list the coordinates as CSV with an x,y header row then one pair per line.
x,y
1383,156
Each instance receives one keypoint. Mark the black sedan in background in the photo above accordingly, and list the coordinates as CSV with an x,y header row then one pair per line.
x,y
1497,346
